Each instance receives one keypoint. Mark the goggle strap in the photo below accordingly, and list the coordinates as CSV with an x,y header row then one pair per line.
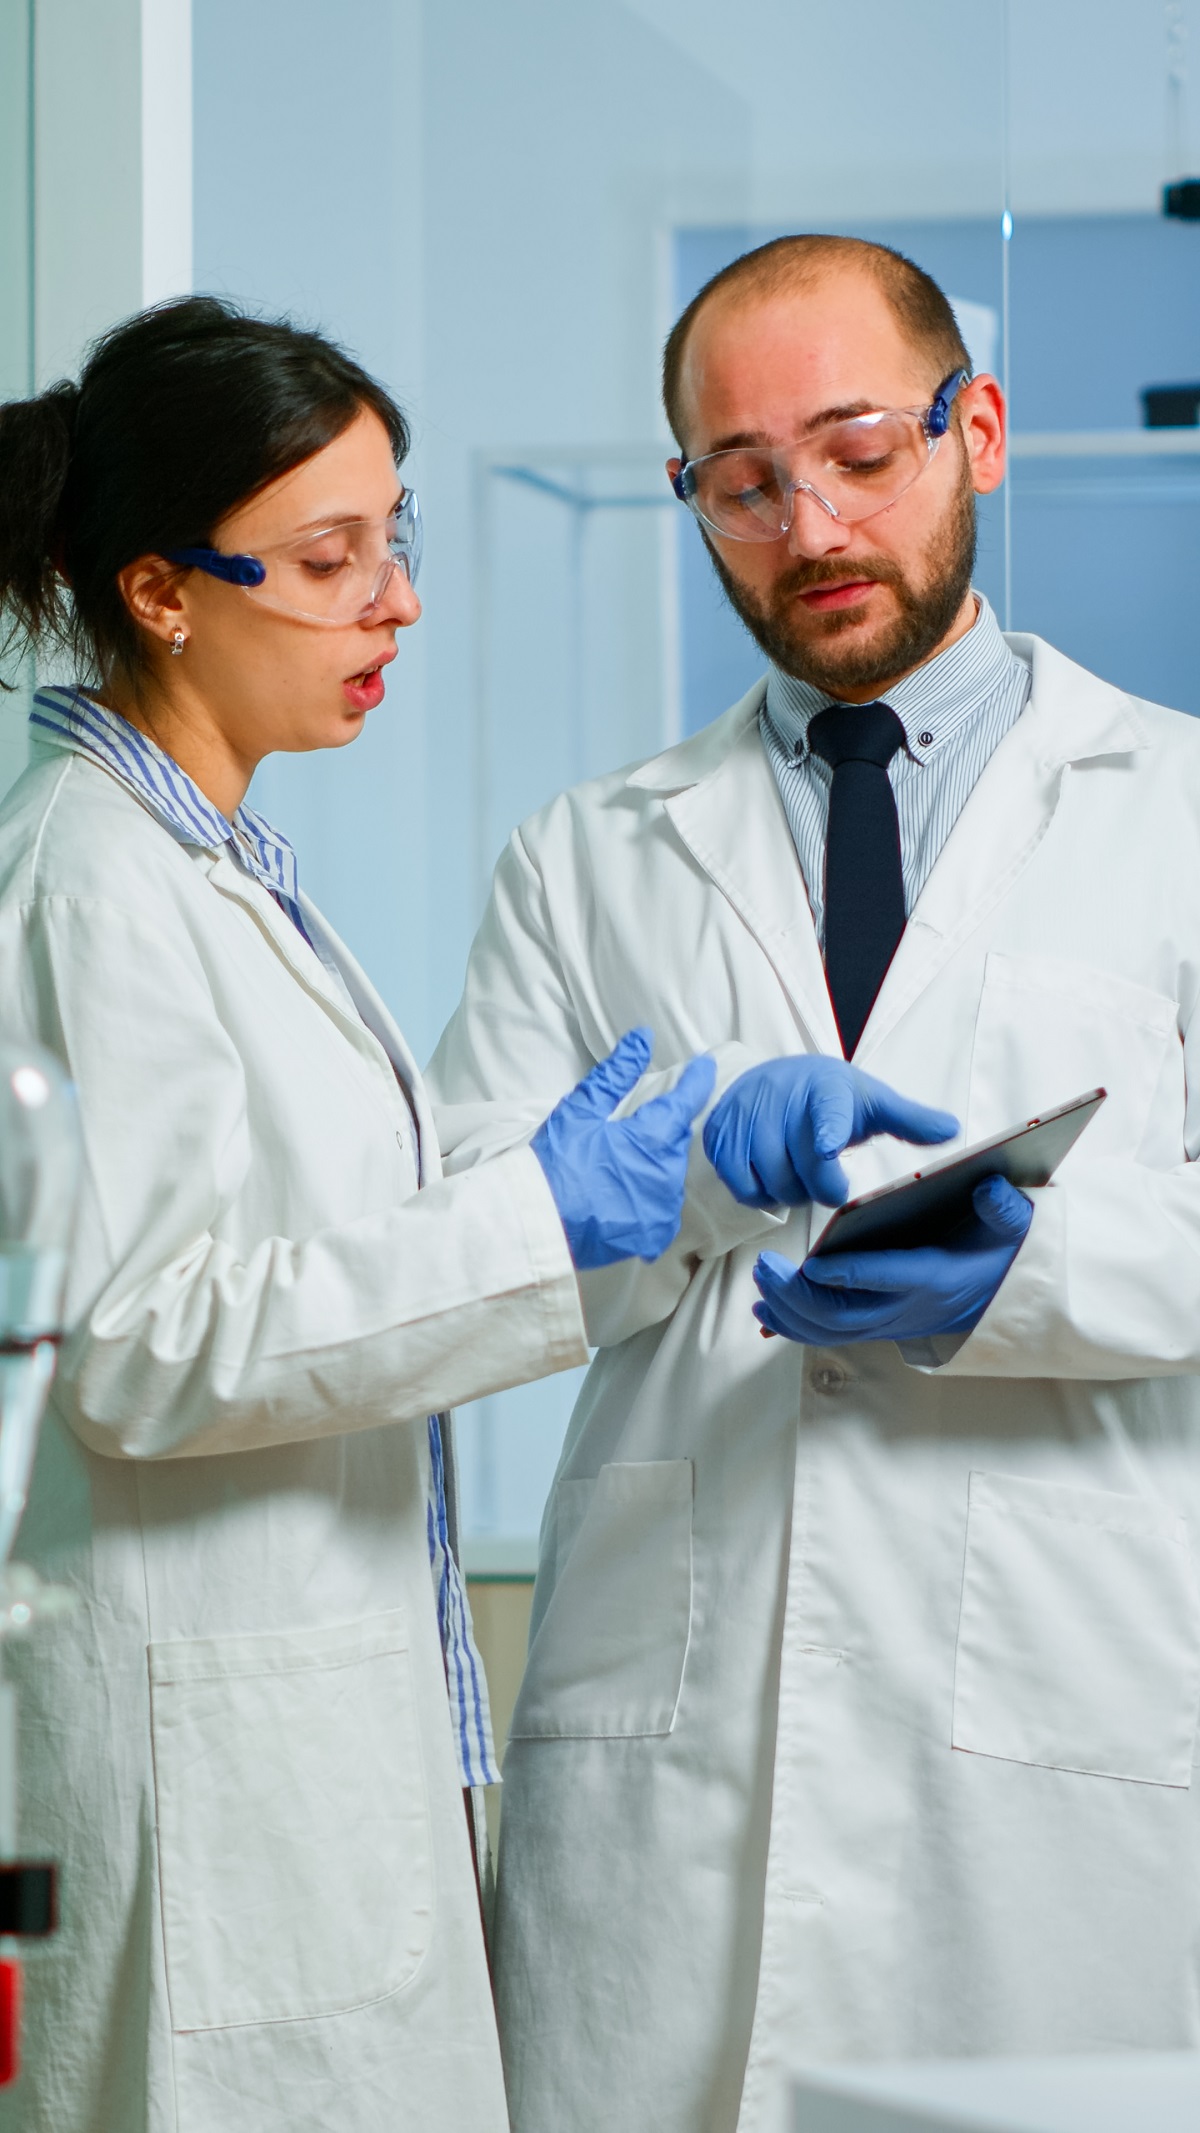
x,y
248,570
937,421
233,569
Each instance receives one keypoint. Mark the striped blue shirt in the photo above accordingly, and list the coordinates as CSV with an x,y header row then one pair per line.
x,y
67,718
954,710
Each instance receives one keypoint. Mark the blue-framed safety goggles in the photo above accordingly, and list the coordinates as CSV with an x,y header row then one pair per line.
x,y
334,575
852,468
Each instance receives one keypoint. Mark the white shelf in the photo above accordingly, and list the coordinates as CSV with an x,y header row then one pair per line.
x,y
1105,444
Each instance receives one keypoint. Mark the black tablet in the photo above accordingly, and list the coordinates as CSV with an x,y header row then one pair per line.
x,y
925,1207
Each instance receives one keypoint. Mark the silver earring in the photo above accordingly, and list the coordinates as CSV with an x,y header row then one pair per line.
x,y
177,643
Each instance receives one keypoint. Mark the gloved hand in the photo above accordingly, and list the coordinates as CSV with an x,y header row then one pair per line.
x,y
902,1295
618,1183
777,1132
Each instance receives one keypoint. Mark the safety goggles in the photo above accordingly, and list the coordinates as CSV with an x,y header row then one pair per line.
x,y
333,576
852,469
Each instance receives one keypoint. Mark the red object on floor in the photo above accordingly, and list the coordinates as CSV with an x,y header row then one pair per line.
x,y
10,2021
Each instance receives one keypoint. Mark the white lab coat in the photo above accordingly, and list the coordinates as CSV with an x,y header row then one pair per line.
x,y
860,1713
240,1746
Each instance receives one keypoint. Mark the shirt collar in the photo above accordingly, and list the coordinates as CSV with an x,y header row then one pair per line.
x,y
932,703
67,718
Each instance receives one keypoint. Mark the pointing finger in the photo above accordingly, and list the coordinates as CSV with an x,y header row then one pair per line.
x,y
884,1110
827,1182
831,1117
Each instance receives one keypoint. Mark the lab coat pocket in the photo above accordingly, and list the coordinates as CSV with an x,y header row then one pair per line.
x,y
608,1658
293,1831
1079,1633
1048,1030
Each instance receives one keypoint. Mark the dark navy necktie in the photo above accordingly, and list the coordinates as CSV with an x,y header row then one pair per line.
x,y
864,881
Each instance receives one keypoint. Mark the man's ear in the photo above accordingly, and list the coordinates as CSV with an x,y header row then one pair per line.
x,y
152,591
983,420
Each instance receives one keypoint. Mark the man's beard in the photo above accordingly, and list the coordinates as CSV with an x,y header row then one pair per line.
x,y
925,612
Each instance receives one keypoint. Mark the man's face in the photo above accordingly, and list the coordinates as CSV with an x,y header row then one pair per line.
x,y
848,607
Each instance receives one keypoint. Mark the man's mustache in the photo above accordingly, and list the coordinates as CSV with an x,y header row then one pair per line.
x,y
824,571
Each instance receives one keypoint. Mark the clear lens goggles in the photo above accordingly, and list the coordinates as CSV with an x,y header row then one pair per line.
x,y
852,469
336,575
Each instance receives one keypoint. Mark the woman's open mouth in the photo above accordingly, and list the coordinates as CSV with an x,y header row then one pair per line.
x,y
365,690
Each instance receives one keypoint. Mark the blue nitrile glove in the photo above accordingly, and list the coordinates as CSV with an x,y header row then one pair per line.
x,y
775,1135
898,1296
618,1183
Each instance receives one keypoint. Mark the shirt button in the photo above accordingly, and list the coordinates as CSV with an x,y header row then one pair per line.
x,y
828,1377
399,1137
925,740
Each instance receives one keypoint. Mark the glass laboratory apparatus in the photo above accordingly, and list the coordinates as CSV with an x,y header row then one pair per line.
x,y
39,1189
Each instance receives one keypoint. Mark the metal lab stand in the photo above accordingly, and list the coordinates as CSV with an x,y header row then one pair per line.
x,y
40,1162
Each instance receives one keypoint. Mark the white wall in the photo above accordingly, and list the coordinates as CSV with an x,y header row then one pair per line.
x,y
473,198
95,194
898,108
566,141
112,167
308,201
16,291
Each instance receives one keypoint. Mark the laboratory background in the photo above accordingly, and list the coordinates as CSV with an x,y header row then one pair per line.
x,y
500,206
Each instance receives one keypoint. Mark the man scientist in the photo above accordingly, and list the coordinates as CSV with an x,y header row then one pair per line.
x,y
860,1712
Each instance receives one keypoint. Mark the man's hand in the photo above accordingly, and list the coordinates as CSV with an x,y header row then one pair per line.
x,y
898,1296
775,1136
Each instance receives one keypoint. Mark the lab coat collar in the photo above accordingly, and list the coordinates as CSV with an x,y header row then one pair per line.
x,y
71,719
252,863
688,762
1072,718
1076,715
719,793
1072,714
731,819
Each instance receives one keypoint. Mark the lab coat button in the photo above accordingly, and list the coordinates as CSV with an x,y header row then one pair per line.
x,y
827,1377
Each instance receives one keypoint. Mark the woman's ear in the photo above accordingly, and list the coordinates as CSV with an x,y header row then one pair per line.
x,y
152,590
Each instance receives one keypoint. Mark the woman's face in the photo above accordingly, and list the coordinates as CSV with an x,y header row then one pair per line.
x,y
272,681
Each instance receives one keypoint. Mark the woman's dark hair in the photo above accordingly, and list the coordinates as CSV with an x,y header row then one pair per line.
x,y
180,415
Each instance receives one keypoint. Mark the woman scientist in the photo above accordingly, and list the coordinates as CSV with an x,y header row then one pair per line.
x,y
249,1745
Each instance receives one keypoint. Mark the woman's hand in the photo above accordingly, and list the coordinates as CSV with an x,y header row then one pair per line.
x,y
618,1184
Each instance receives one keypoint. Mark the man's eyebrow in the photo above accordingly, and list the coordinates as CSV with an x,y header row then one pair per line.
x,y
760,441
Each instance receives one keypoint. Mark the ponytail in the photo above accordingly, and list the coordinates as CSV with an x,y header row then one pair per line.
x,y
35,457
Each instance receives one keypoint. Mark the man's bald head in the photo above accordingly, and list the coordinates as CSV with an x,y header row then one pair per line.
x,y
793,265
